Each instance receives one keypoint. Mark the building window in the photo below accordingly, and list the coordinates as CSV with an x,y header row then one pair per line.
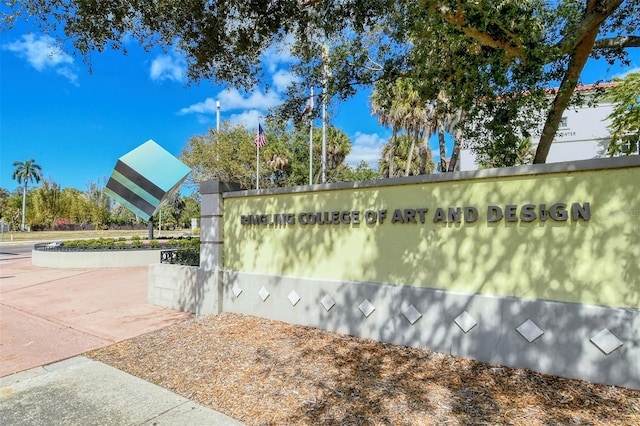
x,y
563,123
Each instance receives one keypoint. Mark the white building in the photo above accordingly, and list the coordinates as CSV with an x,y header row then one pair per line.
x,y
582,134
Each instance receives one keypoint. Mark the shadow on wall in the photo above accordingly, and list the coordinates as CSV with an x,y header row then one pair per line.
x,y
466,266
552,260
176,287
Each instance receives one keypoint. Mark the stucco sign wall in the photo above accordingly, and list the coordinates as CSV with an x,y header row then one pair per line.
x,y
531,267
554,236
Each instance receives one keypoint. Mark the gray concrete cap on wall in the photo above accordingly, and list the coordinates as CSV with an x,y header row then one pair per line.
x,y
217,187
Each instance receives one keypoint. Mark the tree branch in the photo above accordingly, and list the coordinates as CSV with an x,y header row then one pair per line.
x,y
458,20
559,104
617,42
375,67
307,3
595,14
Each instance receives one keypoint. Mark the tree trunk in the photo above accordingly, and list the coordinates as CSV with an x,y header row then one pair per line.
x,y
424,154
443,147
392,154
24,206
456,145
454,154
410,156
577,62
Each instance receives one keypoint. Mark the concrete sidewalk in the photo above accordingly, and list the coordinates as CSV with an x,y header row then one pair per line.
x,y
81,391
50,316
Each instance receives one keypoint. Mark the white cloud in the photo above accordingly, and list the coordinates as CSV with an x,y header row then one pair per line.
x,y
208,106
248,119
627,72
247,108
233,100
282,79
168,67
278,54
366,147
42,53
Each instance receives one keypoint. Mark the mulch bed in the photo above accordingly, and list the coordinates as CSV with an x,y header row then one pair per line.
x,y
264,372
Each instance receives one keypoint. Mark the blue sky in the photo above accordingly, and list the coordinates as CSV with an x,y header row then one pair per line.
x,y
76,124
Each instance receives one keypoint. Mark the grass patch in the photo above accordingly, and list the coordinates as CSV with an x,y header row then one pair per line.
x,y
96,234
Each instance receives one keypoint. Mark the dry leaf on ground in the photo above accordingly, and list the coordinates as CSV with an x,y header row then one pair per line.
x,y
265,372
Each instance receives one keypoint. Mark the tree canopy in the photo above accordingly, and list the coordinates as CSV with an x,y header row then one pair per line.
x,y
229,154
625,118
479,53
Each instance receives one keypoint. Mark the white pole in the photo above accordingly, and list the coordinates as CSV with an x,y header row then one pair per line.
x,y
325,77
257,166
217,116
311,144
324,132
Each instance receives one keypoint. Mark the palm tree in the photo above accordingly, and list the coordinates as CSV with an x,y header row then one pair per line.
x,y
454,121
25,172
337,148
411,111
401,106
447,120
401,145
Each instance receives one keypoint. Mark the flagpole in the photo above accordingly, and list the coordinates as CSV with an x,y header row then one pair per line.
x,y
258,162
259,142
324,132
217,116
325,78
311,143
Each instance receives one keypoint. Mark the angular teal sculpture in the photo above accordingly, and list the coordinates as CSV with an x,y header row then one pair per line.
x,y
145,179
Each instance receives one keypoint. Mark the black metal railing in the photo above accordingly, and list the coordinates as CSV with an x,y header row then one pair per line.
x,y
180,257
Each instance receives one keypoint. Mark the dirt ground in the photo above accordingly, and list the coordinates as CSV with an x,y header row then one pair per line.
x,y
264,372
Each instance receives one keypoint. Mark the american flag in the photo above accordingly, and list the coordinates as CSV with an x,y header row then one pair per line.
x,y
260,140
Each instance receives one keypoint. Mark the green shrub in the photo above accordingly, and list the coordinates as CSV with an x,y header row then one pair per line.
x,y
192,243
105,243
188,243
70,244
84,244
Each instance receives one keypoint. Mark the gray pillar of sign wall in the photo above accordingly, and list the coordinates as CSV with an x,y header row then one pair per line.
x,y
209,281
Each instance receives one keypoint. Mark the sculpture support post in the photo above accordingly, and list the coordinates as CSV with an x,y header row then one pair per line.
x,y
151,228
